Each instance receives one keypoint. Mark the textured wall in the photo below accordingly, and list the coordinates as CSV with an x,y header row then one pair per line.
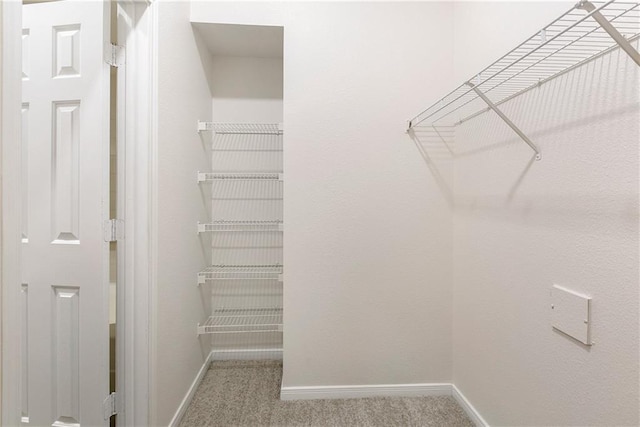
x,y
183,98
521,226
247,89
367,258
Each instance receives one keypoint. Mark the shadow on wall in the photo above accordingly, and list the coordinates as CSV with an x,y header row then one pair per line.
x,y
574,119
436,143
430,142
206,59
251,76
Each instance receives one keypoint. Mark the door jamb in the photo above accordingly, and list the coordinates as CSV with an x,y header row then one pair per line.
x,y
11,132
137,29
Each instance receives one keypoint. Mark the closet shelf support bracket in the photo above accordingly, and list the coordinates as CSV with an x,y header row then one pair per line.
x,y
504,118
610,29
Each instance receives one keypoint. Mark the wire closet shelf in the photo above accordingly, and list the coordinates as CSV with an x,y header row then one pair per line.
x,y
239,176
241,128
241,272
586,31
223,225
243,320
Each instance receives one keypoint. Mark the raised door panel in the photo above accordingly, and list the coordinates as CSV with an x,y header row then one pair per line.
x,y
65,172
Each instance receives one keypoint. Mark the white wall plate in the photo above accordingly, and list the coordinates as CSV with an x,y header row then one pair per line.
x,y
571,313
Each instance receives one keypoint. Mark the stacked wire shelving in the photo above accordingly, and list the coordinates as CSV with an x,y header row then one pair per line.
x,y
585,32
244,312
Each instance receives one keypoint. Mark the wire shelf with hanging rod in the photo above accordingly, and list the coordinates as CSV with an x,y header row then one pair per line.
x,y
586,31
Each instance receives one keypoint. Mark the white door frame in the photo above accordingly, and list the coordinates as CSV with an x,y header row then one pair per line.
x,y
11,207
137,29
137,278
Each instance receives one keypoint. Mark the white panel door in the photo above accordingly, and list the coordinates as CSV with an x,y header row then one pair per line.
x,y
65,259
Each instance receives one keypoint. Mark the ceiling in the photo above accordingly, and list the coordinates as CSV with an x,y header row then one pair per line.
x,y
242,40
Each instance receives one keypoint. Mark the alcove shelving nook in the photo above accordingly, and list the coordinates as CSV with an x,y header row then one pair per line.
x,y
245,187
585,32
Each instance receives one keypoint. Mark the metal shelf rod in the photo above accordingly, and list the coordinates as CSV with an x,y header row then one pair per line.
x,y
509,123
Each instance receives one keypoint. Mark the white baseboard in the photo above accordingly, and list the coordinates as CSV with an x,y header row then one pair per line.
x,y
389,390
359,391
468,407
247,354
175,421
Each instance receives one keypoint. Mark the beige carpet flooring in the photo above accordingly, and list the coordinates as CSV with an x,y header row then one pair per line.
x,y
247,393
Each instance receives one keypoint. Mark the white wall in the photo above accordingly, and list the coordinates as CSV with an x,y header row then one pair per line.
x,y
183,98
368,244
247,89
367,255
521,226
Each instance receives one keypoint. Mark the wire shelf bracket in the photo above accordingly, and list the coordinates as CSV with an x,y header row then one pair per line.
x,y
506,119
570,41
610,29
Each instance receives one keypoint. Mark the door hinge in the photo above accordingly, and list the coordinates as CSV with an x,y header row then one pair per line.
x,y
113,230
110,406
114,55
